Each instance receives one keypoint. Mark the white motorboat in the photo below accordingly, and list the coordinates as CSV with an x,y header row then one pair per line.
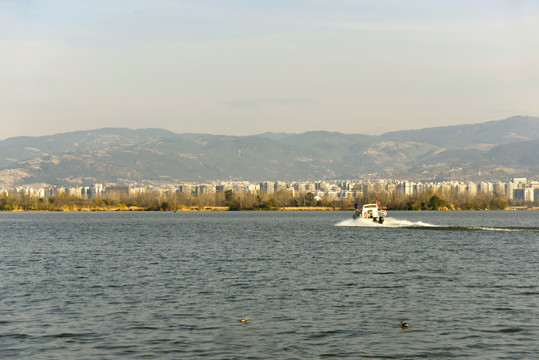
x,y
370,211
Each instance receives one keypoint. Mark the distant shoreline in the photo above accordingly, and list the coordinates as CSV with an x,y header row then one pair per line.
x,y
522,208
225,208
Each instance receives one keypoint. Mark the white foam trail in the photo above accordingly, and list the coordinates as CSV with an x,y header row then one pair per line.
x,y
396,223
491,228
389,222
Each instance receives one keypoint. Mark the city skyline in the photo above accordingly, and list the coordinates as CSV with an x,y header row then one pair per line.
x,y
519,189
249,67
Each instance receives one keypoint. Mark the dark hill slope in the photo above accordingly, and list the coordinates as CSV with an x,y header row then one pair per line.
x,y
159,156
26,147
514,129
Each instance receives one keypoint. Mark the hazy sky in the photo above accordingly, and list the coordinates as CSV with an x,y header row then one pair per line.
x,y
250,66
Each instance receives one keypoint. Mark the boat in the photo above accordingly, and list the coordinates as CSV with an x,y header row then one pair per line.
x,y
370,211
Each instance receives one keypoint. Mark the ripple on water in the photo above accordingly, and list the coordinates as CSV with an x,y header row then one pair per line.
x,y
160,285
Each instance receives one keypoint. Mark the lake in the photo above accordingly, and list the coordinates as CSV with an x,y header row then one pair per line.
x,y
164,285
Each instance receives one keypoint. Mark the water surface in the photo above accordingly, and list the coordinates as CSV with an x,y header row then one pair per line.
x,y
312,284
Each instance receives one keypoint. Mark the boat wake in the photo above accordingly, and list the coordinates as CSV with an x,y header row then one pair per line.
x,y
388,223
396,223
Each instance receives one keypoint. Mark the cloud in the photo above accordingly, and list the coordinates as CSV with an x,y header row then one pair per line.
x,y
257,103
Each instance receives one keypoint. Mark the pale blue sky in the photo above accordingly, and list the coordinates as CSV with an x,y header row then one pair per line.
x,y
246,66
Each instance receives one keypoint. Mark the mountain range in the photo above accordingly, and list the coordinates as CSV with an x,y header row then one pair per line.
x,y
491,150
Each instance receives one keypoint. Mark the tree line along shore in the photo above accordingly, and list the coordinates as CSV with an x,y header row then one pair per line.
x,y
229,201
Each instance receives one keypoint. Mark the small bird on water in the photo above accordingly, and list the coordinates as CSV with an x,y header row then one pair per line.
x,y
244,320
404,325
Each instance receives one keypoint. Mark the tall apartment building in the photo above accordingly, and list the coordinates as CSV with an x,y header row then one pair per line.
x,y
116,190
524,194
268,187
